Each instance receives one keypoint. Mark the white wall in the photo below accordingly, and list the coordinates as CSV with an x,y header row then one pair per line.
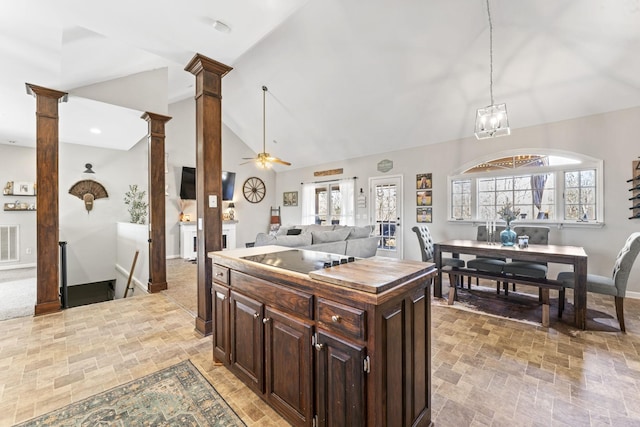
x,y
180,143
18,164
91,236
611,137
91,243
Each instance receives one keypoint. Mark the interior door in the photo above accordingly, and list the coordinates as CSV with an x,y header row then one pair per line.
x,y
386,213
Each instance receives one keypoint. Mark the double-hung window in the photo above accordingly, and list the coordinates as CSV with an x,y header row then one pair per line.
x,y
551,187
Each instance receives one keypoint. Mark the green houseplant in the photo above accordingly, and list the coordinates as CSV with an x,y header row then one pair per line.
x,y
135,199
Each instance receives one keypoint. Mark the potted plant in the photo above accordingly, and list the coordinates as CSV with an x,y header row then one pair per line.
x,y
134,198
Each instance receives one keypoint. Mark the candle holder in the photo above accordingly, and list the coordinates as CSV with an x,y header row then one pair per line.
x,y
490,237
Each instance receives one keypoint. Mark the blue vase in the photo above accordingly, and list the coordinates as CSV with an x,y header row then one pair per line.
x,y
508,236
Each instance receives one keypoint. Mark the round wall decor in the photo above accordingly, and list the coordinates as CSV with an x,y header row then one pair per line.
x,y
254,189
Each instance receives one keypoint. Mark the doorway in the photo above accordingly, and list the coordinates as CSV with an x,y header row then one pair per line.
x,y
386,213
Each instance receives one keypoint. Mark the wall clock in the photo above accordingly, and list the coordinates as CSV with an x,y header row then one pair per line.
x,y
254,189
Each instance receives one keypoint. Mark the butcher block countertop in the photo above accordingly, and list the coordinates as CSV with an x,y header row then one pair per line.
x,y
375,274
372,275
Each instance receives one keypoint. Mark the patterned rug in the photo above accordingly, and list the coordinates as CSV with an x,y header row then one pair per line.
x,y
523,306
175,396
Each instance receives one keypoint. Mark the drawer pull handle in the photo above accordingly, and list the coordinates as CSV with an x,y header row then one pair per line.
x,y
219,274
319,347
256,315
335,318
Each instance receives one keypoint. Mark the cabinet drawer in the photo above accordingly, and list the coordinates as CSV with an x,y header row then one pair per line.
x,y
342,318
286,299
220,274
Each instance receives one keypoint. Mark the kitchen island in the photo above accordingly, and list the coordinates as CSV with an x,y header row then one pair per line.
x,y
323,339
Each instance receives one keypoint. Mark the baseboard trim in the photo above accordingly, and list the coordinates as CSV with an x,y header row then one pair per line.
x,y
633,295
17,266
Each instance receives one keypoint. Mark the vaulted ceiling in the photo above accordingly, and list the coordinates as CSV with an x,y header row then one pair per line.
x,y
345,78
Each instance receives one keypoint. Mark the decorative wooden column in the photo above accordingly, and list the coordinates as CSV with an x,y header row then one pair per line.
x,y
208,98
157,237
47,235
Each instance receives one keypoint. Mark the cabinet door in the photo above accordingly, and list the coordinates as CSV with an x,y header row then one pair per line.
x,y
220,312
247,340
289,366
340,387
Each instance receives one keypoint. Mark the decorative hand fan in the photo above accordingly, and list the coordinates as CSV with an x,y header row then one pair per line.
x,y
88,190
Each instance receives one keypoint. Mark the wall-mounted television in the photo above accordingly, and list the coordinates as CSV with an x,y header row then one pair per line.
x,y
188,184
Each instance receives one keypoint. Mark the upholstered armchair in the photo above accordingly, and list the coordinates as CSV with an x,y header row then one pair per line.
x,y
616,285
426,250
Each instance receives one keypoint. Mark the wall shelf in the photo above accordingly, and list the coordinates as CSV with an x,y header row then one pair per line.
x,y
19,207
19,188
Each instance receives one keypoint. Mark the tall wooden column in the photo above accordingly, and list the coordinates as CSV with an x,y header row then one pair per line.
x,y
47,235
157,238
208,98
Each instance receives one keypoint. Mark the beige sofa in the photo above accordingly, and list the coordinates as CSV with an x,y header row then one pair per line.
x,y
337,239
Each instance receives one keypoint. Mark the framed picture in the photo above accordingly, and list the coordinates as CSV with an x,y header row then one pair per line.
x,y
290,198
423,198
423,181
23,188
8,188
424,214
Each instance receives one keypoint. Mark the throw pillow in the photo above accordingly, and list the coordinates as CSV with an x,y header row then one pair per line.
x,y
293,231
360,232
330,236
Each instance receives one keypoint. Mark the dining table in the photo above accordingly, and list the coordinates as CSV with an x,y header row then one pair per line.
x,y
559,254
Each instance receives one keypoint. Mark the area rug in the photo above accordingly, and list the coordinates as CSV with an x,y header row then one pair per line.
x,y
175,396
17,298
523,306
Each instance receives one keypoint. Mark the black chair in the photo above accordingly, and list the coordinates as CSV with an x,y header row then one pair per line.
x,y
487,264
537,236
426,250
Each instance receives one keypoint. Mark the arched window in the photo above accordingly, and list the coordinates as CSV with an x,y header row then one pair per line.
x,y
544,185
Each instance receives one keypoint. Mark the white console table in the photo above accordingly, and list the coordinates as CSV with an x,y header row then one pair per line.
x,y
189,238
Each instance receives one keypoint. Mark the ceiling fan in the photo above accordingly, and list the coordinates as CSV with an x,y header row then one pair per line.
x,y
264,159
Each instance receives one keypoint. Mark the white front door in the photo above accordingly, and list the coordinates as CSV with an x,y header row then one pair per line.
x,y
386,213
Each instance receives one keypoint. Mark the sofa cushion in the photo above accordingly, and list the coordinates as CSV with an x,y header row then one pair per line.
x,y
330,247
330,236
360,232
303,239
282,231
362,248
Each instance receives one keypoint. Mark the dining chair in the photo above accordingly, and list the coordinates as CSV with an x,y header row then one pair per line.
x,y
537,236
426,250
616,285
483,263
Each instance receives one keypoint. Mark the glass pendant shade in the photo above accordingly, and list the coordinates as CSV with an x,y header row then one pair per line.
x,y
492,121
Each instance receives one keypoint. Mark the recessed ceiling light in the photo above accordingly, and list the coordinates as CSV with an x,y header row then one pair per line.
x,y
221,26
95,131
11,141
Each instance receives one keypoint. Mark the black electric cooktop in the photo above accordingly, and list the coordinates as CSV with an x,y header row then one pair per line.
x,y
300,260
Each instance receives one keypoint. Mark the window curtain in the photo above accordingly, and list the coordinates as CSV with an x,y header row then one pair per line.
x,y
347,195
308,202
537,184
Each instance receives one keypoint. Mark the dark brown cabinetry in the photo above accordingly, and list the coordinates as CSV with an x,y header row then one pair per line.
x,y
324,354
220,331
340,391
288,366
247,340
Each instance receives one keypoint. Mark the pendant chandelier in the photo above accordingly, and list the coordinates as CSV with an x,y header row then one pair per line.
x,y
491,121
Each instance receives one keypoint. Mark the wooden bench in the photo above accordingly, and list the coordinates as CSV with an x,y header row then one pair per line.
x,y
543,284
